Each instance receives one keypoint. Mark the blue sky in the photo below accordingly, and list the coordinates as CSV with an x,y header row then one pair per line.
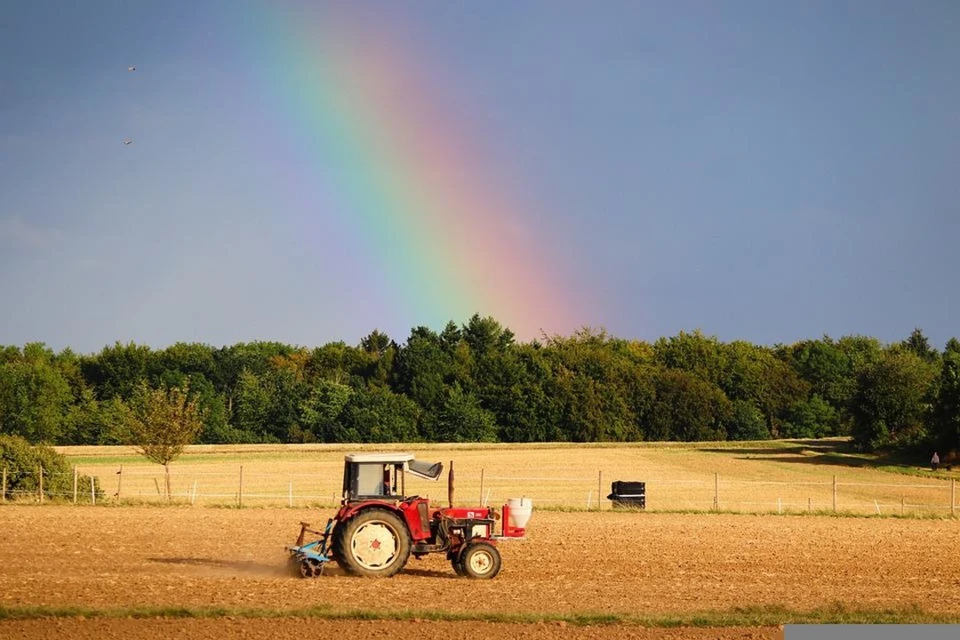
x,y
765,171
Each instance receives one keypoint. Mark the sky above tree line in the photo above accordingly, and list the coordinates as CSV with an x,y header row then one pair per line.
x,y
306,172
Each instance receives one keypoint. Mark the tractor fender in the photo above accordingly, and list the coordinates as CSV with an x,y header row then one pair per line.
x,y
347,511
415,513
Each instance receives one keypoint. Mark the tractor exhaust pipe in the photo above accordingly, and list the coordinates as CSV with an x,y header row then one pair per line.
x,y
450,485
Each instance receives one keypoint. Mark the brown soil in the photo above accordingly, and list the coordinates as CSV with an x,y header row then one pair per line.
x,y
591,563
257,629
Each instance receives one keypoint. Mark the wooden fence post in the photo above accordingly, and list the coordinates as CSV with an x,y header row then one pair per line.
x,y
599,489
834,493
451,478
41,484
716,491
74,484
481,486
193,496
3,495
902,501
93,490
240,495
809,504
119,482
953,496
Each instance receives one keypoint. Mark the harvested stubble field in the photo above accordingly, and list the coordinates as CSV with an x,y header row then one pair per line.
x,y
793,476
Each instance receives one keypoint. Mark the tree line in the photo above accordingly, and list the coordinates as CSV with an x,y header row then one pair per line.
x,y
476,383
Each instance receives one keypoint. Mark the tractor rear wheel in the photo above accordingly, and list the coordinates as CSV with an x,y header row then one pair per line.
x,y
480,561
374,542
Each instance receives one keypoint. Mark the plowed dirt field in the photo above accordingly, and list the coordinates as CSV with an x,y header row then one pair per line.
x,y
590,563
259,629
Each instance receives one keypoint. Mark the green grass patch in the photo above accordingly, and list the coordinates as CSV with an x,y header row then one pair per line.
x,y
754,616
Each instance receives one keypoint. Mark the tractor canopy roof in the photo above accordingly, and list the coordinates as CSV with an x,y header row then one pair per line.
x,y
428,470
385,458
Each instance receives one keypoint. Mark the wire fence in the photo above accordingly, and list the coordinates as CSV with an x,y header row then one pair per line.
x,y
708,492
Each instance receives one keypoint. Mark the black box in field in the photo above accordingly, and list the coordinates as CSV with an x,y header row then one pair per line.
x,y
627,494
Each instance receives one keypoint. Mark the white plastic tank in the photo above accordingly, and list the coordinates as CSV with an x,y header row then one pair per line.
x,y
520,510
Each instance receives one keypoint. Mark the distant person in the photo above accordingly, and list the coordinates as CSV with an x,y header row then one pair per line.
x,y
935,462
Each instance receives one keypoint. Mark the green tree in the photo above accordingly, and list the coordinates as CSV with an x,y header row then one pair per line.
x,y
92,421
747,422
376,343
688,409
450,337
946,408
213,410
252,406
423,369
191,360
829,370
320,411
810,418
920,346
484,335
118,370
378,415
23,461
527,409
164,421
694,353
232,362
34,397
754,374
891,403
462,419
338,362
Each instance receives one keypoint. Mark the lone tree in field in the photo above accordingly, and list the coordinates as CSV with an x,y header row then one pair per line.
x,y
163,423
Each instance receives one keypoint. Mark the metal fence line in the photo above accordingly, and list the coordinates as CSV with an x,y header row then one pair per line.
x,y
550,479
232,487
905,486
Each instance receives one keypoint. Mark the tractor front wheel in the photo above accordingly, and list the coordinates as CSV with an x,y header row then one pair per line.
x,y
480,561
374,542
455,562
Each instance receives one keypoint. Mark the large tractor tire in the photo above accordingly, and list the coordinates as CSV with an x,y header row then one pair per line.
x,y
374,542
454,559
480,561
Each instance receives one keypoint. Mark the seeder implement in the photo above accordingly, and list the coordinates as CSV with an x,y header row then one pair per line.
x,y
311,557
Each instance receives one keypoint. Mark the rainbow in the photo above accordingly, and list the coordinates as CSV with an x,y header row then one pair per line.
x,y
398,173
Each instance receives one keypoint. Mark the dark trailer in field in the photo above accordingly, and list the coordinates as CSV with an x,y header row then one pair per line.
x,y
629,495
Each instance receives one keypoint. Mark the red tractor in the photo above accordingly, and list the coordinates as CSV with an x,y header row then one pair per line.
x,y
378,526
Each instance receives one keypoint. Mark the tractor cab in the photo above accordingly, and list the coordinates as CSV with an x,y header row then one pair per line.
x,y
382,476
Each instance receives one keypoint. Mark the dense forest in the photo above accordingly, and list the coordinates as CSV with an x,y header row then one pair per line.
x,y
476,383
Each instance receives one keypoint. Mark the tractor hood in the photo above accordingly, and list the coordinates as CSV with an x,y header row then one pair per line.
x,y
428,470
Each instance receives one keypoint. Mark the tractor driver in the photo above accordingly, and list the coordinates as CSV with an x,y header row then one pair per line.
x,y
385,489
